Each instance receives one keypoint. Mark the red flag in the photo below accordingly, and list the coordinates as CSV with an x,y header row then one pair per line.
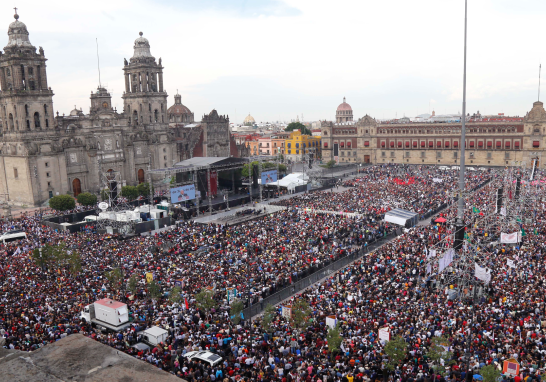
x,y
186,302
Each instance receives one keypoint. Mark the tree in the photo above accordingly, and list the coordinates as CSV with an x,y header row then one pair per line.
x,y
300,313
74,263
144,189
48,257
115,278
268,317
440,355
176,295
172,182
396,349
154,290
62,202
334,339
331,163
236,310
129,192
132,285
298,126
490,373
205,299
245,171
87,199
282,168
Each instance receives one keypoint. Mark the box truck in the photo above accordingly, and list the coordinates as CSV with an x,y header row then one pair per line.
x,y
154,335
107,314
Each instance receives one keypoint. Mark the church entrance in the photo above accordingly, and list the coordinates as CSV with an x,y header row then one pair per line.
x,y
366,159
76,187
140,176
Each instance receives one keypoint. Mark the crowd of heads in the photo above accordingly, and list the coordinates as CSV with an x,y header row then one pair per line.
x,y
389,287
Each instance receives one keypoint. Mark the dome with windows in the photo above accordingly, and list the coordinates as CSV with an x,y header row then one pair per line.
x,y
344,112
179,113
18,34
142,47
344,106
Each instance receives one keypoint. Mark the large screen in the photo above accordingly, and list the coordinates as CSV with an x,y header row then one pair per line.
x,y
183,193
269,177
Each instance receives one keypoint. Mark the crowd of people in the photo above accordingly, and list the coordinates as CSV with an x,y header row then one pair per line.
x,y
379,189
389,287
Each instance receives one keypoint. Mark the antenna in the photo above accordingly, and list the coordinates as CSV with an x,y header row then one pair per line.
x,y
539,68
98,61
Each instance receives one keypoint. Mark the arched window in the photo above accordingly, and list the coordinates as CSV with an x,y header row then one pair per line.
x,y
47,123
37,120
28,124
135,117
26,110
162,108
156,115
45,109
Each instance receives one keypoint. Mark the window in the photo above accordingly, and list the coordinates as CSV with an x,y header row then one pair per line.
x,y
47,164
423,154
499,144
507,155
471,154
366,143
383,144
49,184
407,154
455,154
516,144
438,154
164,157
536,144
489,155
431,144
438,144
15,173
407,144
392,144
48,174
325,145
414,144
423,144
392,154
480,144
343,153
399,144
489,144
471,144
507,144
456,144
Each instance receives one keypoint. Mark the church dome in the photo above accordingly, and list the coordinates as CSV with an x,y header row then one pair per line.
x,y
249,120
18,34
178,108
344,106
142,47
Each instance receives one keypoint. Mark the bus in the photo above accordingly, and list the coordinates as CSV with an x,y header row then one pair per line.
x,y
13,235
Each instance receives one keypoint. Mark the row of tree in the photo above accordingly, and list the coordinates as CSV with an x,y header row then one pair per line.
x,y
246,172
57,257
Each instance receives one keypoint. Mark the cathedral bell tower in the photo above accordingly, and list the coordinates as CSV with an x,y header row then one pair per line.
x,y
144,99
26,102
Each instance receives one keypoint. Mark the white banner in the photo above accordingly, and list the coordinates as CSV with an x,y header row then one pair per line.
x,y
513,237
446,260
384,334
503,211
331,322
437,180
431,253
483,274
510,263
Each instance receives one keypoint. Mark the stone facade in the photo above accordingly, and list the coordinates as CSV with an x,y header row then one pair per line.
x,y
42,156
488,143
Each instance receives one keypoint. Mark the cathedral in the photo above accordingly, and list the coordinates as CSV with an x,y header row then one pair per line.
x,y
43,154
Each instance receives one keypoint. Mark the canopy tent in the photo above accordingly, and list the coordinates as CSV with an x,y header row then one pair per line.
x,y
291,181
440,220
402,217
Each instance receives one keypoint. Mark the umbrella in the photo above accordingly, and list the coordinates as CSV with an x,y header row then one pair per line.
x,y
477,377
440,220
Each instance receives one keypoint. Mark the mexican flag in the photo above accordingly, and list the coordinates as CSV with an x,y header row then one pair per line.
x,y
475,210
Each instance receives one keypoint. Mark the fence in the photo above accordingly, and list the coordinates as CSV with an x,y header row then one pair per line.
x,y
305,282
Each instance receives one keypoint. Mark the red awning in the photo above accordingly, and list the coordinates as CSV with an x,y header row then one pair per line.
x,y
536,144
423,144
440,220
366,143
499,144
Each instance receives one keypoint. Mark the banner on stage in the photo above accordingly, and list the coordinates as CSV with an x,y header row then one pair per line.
x,y
269,177
514,237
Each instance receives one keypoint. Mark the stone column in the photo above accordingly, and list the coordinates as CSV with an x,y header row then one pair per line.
x,y
160,81
127,86
43,76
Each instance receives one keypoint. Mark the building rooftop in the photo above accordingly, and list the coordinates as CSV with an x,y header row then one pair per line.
x,y
78,358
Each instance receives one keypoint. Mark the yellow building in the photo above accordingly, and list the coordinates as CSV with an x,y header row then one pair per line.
x,y
298,145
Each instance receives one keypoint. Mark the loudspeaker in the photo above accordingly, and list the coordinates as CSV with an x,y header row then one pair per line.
x,y
113,189
459,237
518,185
254,175
498,204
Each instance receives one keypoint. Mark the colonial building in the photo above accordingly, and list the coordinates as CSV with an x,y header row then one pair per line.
x,y
42,155
496,142
298,145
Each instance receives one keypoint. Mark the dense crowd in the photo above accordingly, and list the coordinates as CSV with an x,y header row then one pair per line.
x,y
379,189
389,287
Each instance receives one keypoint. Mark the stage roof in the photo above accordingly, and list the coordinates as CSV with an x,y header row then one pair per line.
x,y
202,163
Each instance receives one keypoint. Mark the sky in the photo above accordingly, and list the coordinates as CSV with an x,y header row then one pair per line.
x,y
282,59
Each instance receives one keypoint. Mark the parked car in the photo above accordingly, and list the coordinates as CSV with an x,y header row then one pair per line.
x,y
205,356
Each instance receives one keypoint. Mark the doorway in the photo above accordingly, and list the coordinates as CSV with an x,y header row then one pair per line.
x,y
366,159
140,176
76,187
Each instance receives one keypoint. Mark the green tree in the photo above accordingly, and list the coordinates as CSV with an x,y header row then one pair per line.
x,y
62,202
129,192
396,349
205,299
154,290
144,189
298,126
490,373
334,339
439,352
268,317
48,257
115,278
172,182
74,263
245,171
331,163
301,312
236,310
282,168
87,199
132,285
175,295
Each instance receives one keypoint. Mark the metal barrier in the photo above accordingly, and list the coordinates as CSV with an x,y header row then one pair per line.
x,y
329,270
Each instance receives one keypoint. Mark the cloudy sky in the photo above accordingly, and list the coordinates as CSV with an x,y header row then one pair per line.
x,y
279,59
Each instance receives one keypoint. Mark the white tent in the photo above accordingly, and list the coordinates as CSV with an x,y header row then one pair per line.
x,y
291,181
401,217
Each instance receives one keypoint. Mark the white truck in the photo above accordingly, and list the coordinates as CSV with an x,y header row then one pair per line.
x,y
154,335
107,314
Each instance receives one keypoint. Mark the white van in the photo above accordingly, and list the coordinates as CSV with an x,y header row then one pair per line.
x,y
13,235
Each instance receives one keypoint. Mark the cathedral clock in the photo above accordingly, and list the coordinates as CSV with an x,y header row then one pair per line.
x,y
105,105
